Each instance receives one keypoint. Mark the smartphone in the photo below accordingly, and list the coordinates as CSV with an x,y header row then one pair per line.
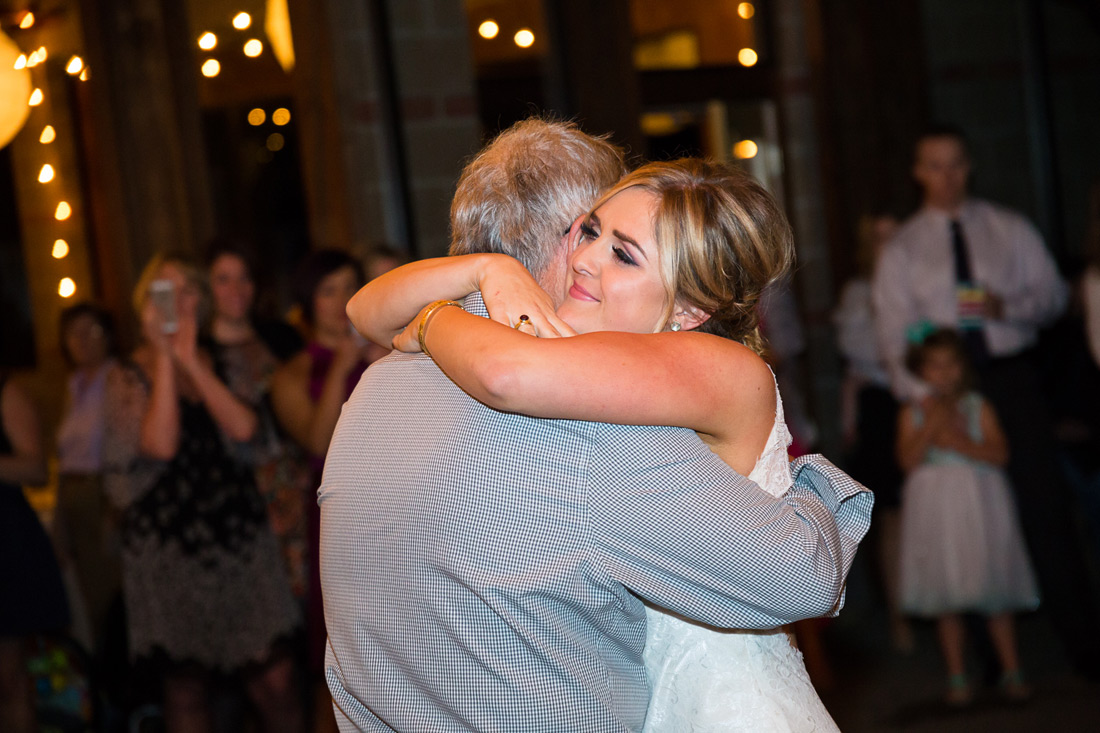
x,y
163,293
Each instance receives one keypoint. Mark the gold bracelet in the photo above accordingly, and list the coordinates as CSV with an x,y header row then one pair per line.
x,y
431,310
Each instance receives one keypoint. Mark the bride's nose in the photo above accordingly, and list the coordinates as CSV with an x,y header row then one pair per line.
x,y
583,259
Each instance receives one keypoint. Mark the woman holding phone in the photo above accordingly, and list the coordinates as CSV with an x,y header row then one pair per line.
x,y
204,587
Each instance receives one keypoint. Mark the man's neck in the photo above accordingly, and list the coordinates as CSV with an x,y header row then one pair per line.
x,y
950,209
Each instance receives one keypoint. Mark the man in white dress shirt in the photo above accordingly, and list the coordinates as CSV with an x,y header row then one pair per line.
x,y
972,265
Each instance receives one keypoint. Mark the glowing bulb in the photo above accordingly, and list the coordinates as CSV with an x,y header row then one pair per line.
x,y
66,287
46,174
275,142
745,149
207,41
34,59
281,116
27,22
41,54
256,117
60,249
524,38
242,21
21,62
211,68
747,57
84,74
75,65
47,135
64,211
36,98
488,29
746,10
253,48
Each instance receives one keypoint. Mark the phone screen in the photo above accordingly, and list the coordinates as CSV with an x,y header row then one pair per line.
x,y
163,294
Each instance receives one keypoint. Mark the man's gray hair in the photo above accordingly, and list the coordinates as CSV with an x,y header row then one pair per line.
x,y
524,189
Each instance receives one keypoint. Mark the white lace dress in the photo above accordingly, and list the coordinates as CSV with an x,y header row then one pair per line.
x,y
707,680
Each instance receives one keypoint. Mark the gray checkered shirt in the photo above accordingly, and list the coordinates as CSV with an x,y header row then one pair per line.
x,y
482,570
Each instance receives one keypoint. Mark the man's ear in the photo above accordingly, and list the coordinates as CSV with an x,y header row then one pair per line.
x,y
573,233
688,316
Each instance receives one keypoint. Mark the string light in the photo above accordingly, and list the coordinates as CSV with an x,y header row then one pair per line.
x,y
275,142
21,62
46,174
63,212
47,135
241,21
84,74
746,10
253,48
36,98
256,117
488,29
747,57
66,287
75,65
27,22
211,68
524,38
60,249
281,116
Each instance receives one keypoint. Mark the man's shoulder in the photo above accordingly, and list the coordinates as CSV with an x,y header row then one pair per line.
x,y
999,215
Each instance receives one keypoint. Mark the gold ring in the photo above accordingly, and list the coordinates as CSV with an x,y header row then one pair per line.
x,y
523,321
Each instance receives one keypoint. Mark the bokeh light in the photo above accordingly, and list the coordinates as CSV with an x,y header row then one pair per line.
x,y
524,38
747,57
488,29
211,68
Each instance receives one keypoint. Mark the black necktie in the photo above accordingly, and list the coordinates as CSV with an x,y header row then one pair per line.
x,y
974,338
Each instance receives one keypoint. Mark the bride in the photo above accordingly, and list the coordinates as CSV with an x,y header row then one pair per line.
x,y
663,280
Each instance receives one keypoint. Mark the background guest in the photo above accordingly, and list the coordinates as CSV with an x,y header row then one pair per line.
x,y
248,351
30,580
977,267
869,412
204,587
308,393
85,525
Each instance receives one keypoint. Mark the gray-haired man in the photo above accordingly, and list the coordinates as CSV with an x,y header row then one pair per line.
x,y
482,570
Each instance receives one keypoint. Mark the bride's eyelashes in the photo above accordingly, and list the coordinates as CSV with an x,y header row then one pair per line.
x,y
622,256
589,233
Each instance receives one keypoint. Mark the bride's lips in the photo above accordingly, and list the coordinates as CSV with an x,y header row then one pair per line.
x,y
576,291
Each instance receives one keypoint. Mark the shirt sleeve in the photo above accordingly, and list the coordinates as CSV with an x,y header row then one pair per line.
x,y
1040,295
894,313
687,533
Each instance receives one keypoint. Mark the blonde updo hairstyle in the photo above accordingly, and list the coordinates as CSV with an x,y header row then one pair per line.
x,y
721,240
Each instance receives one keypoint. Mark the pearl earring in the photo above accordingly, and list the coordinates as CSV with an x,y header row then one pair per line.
x,y
675,326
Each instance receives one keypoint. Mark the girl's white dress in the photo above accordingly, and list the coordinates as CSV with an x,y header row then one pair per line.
x,y
707,680
961,546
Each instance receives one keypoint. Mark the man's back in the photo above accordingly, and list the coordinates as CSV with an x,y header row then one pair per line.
x,y
450,548
474,562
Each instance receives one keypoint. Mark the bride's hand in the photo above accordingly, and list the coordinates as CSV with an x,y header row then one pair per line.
x,y
510,292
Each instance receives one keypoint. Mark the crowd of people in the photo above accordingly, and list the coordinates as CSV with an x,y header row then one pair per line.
x,y
194,471
950,411
186,471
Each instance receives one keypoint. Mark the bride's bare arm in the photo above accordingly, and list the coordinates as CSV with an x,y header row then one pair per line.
x,y
692,380
385,305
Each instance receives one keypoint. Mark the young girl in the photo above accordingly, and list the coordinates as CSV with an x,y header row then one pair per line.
x,y
962,550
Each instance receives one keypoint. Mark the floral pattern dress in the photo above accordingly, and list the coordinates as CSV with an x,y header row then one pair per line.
x,y
202,576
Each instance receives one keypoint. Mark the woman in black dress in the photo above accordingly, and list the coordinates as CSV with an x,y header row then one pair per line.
x,y
32,597
204,586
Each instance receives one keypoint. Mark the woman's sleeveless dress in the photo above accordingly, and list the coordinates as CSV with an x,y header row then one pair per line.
x,y
707,680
